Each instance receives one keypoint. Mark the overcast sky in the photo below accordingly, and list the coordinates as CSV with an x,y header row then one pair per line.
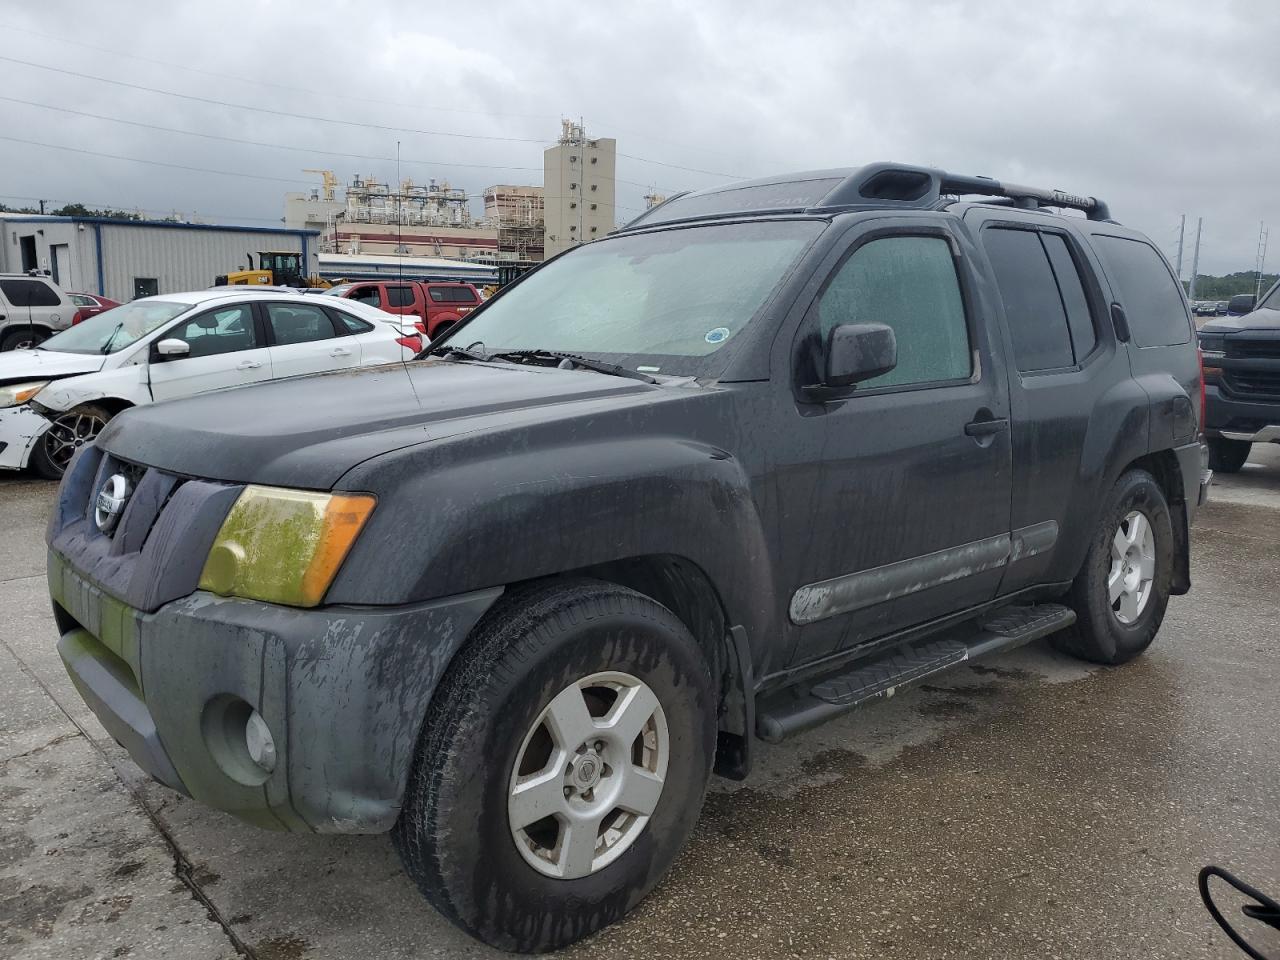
x,y
1160,108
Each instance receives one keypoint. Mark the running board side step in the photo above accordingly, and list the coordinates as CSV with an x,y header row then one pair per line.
x,y
795,709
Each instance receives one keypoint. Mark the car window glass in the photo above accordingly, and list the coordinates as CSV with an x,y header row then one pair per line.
x,y
369,295
1079,318
29,293
80,300
352,324
399,296
298,323
1032,307
224,330
451,295
1151,298
910,284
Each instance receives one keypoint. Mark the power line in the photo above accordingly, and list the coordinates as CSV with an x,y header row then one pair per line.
x,y
275,113
342,96
266,83
255,143
335,120
155,163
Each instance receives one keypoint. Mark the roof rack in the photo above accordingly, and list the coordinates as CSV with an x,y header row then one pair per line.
x,y
875,185
927,187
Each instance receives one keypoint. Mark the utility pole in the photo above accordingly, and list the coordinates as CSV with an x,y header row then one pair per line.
x,y
42,208
1263,235
1182,234
1195,260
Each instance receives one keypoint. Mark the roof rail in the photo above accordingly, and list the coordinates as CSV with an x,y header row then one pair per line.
x,y
895,183
885,185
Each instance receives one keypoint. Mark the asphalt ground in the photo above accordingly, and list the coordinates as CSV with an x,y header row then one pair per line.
x,y
1026,806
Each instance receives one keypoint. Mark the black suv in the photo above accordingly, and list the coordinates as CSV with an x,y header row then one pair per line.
x,y
767,454
1242,382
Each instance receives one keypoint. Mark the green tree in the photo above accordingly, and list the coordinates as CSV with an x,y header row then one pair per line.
x,y
1225,287
80,210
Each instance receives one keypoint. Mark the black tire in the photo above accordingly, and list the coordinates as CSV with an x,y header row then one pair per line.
x,y
20,337
441,330
1099,635
1228,456
69,431
453,834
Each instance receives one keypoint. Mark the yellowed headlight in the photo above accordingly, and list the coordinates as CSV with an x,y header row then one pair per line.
x,y
284,546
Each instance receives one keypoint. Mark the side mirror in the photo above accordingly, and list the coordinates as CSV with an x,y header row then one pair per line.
x,y
859,351
172,348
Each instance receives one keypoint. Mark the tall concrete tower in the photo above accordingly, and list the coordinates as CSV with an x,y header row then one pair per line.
x,y
578,179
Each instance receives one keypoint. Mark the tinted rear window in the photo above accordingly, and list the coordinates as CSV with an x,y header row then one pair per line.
x,y
1032,307
794,195
451,295
398,296
28,293
1151,297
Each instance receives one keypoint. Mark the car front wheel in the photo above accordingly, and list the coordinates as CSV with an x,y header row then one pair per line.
x,y
561,767
23,338
68,433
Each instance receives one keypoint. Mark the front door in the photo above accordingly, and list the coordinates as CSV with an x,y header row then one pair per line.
x,y
910,515
227,349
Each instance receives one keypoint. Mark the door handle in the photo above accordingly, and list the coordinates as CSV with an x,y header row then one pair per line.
x,y
986,428
248,365
339,352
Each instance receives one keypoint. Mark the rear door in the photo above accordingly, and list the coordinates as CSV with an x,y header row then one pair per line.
x,y
228,349
1070,387
403,299
305,339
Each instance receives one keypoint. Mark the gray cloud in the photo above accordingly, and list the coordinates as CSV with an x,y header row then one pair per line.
x,y
1160,108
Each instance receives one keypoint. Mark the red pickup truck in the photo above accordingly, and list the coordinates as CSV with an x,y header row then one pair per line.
x,y
437,305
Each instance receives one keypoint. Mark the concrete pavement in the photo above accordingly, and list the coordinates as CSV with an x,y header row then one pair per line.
x,y
1027,806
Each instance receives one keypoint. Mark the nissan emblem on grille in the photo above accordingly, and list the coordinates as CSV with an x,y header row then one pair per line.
x,y
110,502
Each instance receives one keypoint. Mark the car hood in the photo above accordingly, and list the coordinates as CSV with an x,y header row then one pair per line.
x,y
1263,319
19,365
308,431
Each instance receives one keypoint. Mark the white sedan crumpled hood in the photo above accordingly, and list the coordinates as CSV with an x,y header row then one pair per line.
x,y
46,364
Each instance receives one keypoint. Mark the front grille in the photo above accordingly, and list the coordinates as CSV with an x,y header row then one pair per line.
x,y
1254,349
1263,384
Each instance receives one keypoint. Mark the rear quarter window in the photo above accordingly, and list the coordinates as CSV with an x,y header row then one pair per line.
x,y
1151,297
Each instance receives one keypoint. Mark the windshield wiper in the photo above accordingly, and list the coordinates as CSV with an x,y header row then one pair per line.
x,y
106,347
599,366
446,350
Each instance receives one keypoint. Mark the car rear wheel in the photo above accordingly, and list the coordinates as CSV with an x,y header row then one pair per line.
x,y
68,433
561,766
1228,456
23,338
1121,591
441,331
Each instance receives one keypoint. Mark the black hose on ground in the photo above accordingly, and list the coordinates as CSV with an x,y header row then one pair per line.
x,y
1265,910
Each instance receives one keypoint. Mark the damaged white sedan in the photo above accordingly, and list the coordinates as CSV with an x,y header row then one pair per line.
x,y
58,397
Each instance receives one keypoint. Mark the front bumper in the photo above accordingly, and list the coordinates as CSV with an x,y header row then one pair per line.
x,y
20,430
343,691
1257,421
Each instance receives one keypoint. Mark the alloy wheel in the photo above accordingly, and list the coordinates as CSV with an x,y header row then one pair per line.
x,y
68,433
1133,567
588,775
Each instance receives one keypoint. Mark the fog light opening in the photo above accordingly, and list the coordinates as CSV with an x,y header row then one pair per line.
x,y
258,740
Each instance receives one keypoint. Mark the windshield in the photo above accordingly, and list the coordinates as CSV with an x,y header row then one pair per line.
x,y
115,329
339,291
660,302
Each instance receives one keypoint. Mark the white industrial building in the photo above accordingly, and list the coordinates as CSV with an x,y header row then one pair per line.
x,y
124,259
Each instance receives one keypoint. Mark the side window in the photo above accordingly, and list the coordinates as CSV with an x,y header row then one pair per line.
x,y
1151,298
351,324
1079,318
298,323
437,294
1032,306
369,295
224,330
399,296
910,284
29,293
